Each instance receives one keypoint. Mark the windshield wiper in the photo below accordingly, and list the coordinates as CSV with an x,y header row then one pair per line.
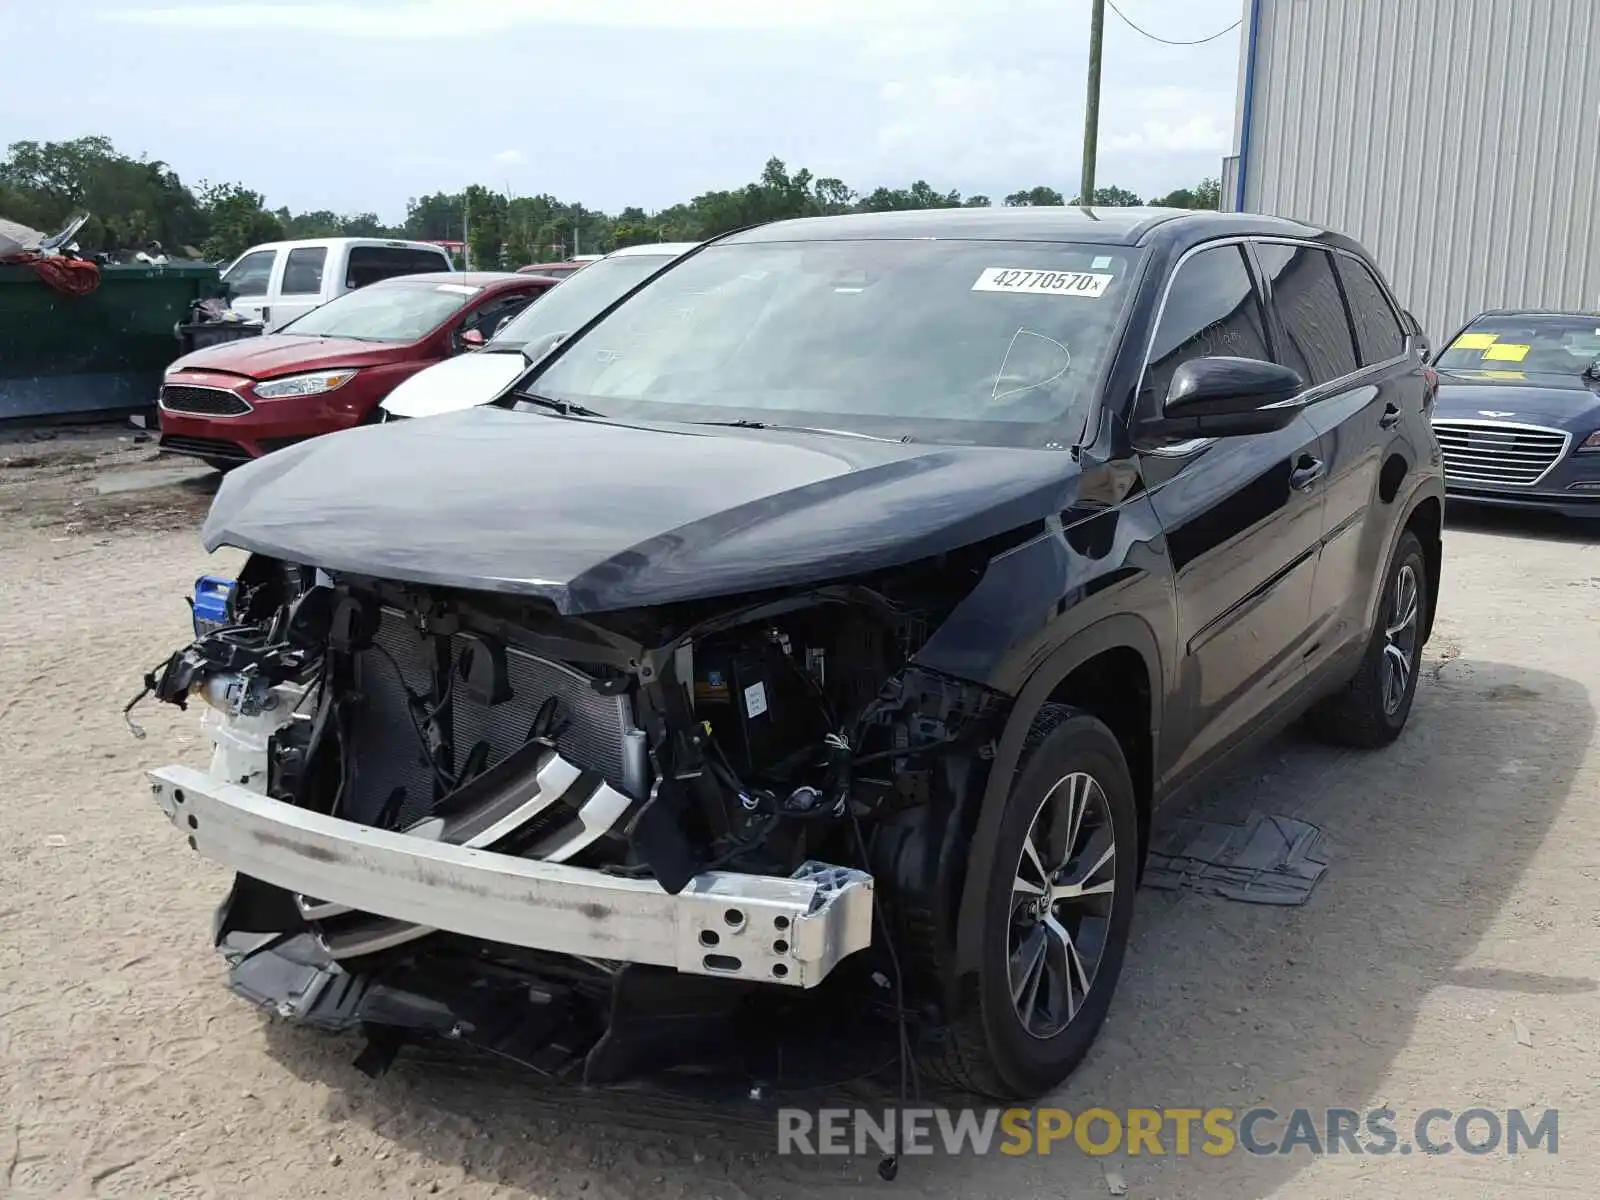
x,y
565,407
746,423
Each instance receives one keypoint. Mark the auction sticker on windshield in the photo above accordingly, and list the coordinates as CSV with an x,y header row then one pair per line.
x,y
1090,285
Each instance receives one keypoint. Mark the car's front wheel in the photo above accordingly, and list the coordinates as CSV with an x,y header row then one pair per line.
x,y
1058,905
1372,709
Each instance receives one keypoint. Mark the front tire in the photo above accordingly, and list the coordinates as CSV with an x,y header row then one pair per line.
x,y
1058,905
1371,710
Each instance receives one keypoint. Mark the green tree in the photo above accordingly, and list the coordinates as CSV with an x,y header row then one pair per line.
x,y
486,227
435,217
237,219
831,197
1113,197
1035,197
363,225
635,235
132,201
318,224
1207,195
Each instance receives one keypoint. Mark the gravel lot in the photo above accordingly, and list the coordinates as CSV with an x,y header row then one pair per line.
x,y
1460,921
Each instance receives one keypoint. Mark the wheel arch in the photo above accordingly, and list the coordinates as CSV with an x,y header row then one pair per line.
x,y
1119,640
1426,520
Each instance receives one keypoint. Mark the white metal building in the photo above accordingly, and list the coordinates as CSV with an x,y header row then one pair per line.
x,y
1458,140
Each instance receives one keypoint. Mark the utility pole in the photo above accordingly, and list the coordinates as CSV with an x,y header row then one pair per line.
x,y
1091,108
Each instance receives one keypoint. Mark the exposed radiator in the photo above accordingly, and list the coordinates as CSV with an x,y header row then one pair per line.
x,y
600,735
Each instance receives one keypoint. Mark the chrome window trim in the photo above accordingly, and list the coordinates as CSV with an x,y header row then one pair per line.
x,y
1311,395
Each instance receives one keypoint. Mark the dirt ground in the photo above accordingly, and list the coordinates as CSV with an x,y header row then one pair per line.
x,y
1449,959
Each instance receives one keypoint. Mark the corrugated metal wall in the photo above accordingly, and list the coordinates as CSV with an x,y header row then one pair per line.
x,y
1458,140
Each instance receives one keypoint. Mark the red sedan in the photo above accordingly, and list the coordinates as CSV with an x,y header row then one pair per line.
x,y
331,368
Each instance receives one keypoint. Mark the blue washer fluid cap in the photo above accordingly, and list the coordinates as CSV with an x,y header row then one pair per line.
x,y
211,595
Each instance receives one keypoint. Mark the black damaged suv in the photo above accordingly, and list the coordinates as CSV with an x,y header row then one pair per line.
x,y
837,606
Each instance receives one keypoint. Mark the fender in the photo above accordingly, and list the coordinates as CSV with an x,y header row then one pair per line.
x,y
1429,487
1109,633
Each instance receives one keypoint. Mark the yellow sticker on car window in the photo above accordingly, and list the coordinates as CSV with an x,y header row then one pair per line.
x,y
1474,341
1506,352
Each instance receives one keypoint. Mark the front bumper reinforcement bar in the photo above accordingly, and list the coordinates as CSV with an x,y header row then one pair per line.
x,y
752,927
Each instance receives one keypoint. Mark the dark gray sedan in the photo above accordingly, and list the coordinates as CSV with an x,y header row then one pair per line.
x,y
1518,415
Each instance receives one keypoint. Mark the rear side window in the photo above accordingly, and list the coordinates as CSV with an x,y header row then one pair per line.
x,y
251,274
1211,309
368,264
1380,334
488,319
1305,293
302,274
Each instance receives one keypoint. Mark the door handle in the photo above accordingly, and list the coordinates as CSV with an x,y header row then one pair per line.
x,y
1306,473
1390,418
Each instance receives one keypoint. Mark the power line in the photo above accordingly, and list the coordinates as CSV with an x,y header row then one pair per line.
x,y
1169,41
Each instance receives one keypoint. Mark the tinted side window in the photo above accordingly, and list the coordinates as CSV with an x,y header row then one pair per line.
x,y
1211,309
251,274
302,274
1305,293
422,262
487,320
1380,334
368,264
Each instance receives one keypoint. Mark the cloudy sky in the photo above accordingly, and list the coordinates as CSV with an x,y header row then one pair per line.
x,y
355,105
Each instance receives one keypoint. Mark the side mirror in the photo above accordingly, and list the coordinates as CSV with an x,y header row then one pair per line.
x,y
1227,397
471,339
542,345
1418,334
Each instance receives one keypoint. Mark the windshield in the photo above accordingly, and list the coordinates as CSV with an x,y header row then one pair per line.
x,y
581,295
1556,345
995,343
399,312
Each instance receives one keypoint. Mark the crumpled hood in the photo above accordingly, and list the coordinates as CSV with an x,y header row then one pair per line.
x,y
454,384
597,517
274,354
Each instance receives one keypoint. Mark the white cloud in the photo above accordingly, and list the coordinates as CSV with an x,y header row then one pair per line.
x,y
981,124
1184,120
670,97
445,19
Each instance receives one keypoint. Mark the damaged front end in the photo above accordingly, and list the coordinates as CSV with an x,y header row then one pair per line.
x,y
586,843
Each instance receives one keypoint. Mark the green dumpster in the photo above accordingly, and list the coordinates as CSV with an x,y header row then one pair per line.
x,y
98,354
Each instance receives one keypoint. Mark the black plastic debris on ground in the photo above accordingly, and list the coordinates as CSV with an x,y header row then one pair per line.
x,y
1266,860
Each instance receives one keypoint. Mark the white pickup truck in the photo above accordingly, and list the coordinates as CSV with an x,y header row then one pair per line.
x,y
278,281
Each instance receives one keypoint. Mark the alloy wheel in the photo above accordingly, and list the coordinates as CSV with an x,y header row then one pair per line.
x,y
1400,640
1061,904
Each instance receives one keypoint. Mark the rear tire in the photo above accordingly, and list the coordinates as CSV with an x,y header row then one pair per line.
x,y
1371,710
1058,905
